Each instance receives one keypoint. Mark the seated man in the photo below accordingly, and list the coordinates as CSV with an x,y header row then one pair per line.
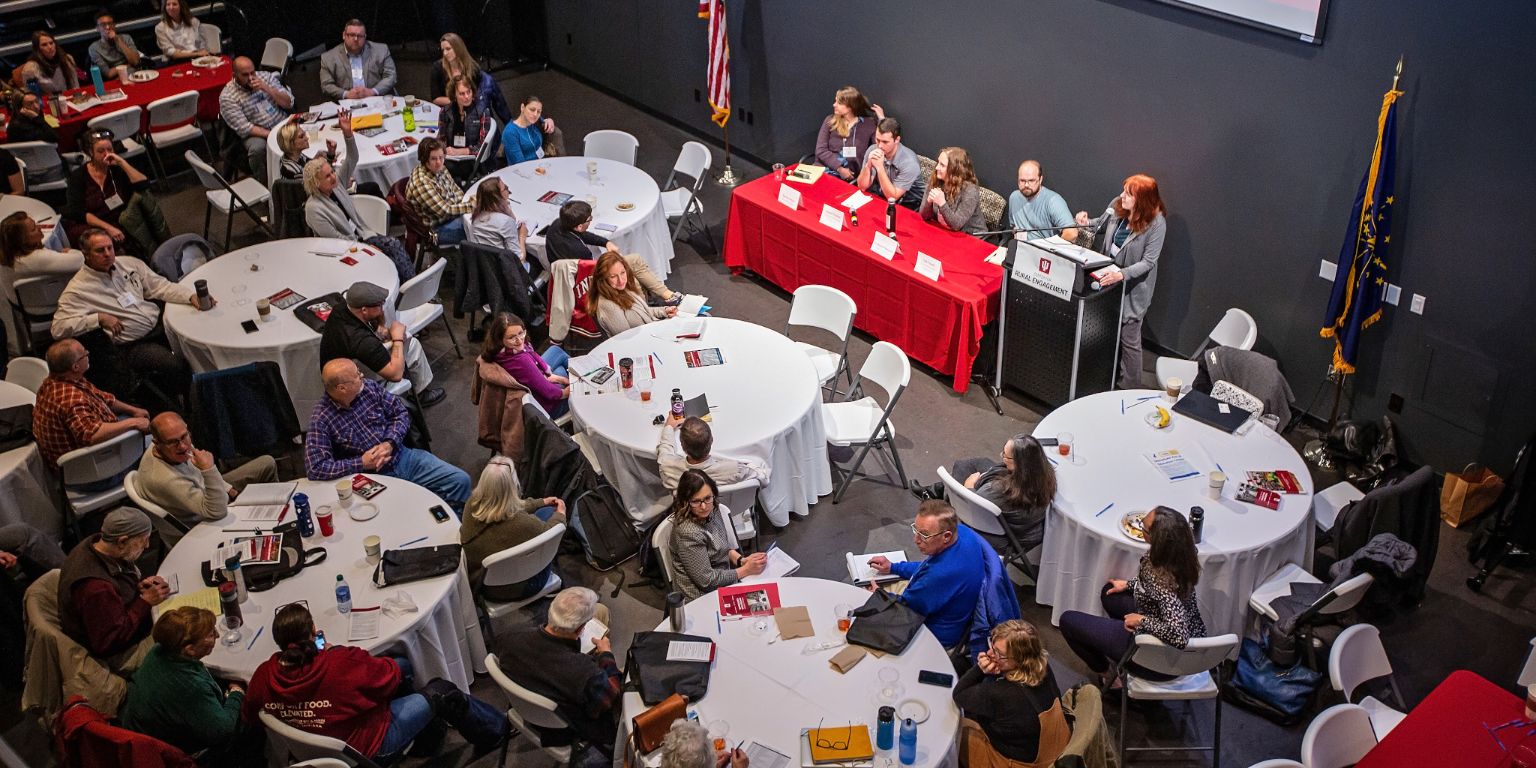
x,y
890,169
253,104
23,545
358,333
435,195
114,52
357,69
183,479
694,435
1037,208
110,306
548,660
943,587
359,427
72,413
104,601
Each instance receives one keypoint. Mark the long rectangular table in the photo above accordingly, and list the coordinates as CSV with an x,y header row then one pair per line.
x,y
1450,727
179,78
936,323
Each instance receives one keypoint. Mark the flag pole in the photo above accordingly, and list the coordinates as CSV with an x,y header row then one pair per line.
x,y
727,177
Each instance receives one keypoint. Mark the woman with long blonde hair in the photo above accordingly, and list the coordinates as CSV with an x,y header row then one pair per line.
x,y
498,517
847,132
457,61
954,197
1008,688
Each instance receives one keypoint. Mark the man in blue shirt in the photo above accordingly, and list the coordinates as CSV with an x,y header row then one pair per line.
x,y
1035,207
943,587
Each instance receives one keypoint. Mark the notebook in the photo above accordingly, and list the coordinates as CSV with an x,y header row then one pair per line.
x,y
861,573
850,743
1208,410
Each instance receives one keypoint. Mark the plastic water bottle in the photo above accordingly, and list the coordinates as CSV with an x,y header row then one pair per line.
x,y
343,595
96,80
410,118
908,742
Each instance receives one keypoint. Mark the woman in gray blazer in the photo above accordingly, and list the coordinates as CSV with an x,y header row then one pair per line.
x,y
1131,231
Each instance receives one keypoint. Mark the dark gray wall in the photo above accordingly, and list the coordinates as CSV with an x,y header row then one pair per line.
x,y
1258,143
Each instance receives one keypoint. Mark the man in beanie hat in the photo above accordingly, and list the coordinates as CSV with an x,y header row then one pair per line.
x,y
360,334
104,601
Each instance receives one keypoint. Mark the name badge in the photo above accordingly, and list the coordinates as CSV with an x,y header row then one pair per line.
x,y
458,141
114,202
850,152
126,300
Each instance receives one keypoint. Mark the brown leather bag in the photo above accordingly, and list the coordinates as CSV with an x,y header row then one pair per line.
x,y
651,726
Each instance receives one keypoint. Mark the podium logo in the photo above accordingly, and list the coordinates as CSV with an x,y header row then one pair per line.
x,y
1045,266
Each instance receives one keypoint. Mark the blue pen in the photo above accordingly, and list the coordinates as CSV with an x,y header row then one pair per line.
x,y
655,357
1105,509
252,643
1218,466
414,541
719,630
1122,407
771,547
1052,461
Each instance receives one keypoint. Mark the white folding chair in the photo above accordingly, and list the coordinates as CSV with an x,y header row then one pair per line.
x,y
521,563
1236,329
742,497
44,167
374,211
243,195
95,463
1359,656
661,540
291,745
125,125
864,422
530,709
275,54
322,762
170,526
1332,500
982,515
683,202
1339,736
415,307
213,38
611,145
1336,600
831,310
26,372
37,298
172,121
1192,668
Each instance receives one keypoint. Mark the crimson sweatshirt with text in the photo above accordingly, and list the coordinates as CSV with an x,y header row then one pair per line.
x,y
344,693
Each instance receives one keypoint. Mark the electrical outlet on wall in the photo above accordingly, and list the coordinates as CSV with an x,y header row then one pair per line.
x,y
1417,307
1392,294
1395,403
1328,270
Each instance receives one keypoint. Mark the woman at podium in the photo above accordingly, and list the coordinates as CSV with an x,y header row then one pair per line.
x,y
1130,231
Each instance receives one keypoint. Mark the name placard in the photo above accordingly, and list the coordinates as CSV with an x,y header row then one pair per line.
x,y
884,246
928,266
832,218
789,197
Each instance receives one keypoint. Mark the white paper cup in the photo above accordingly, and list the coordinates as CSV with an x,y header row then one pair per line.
x,y
371,549
1218,480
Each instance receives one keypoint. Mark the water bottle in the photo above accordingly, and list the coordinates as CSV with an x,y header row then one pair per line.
x,y
96,80
232,567
1197,522
204,301
890,217
410,118
675,614
343,595
229,600
908,742
885,729
677,402
301,510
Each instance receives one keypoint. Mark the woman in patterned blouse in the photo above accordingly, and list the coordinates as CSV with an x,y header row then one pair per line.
x,y
701,546
1160,601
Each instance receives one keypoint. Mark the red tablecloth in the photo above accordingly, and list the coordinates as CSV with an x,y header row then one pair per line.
x,y
938,324
172,80
1447,729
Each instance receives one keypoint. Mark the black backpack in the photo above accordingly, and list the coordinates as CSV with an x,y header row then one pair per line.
x,y
601,522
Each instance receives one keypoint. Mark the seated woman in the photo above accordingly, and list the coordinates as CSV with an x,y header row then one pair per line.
x,y
464,125
22,254
506,344
458,63
27,121
954,198
523,137
701,553
292,141
175,699
687,745
1007,690
49,66
496,518
494,224
330,213
1160,601
178,33
108,192
846,133
345,693
616,302
1022,486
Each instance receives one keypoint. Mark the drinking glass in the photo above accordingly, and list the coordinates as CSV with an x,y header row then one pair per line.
x,y
229,627
778,172
844,615
591,171
1064,445
889,689
718,730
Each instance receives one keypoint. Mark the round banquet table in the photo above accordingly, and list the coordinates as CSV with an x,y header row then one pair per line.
x,y
766,403
769,692
47,219
214,340
372,164
441,638
642,229
26,486
1242,545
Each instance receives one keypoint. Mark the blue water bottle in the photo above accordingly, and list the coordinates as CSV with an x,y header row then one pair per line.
x,y
908,742
96,80
301,509
885,729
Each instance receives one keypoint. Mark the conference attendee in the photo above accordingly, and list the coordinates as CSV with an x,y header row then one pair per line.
x,y
945,585
183,479
22,254
687,745
71,412
523,138
49,66
345,693
546,376
465,125
109,193
890,170
1037,208
548,660
110,305
1022,485
104,600
1008,688
702,555
330,212
359,427
27,121
253,104
292,140
457,62
498,517
31,550
178,33
847,133
954,199
618,302
693,436
493,223
359,332
174,698
435,195
1131,231
113,52
568,236
12,179
1159,602
357,69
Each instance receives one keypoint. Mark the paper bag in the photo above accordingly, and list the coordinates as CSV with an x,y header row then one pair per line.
x,y
794,621
848,658
1467,494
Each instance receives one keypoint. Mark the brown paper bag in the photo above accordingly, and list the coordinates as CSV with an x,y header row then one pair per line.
x,y
1468,494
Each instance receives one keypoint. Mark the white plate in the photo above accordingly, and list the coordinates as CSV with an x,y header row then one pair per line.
x,y
362,510
207,62
143,76
912,708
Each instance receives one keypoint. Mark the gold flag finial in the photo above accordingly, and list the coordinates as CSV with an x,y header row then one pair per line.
x,y
1398,73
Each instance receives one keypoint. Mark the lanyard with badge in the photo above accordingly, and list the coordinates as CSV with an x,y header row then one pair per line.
x,y
113,201
850,152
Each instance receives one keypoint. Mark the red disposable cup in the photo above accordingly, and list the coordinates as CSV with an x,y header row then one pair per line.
x,y
326,526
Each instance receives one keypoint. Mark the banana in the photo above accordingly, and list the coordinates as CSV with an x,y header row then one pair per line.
x,y
1163,417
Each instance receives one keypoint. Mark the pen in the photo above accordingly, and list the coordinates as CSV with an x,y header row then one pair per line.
x,y
252,643
1105,509
1122,407
1218,466
718,628
771,547
656,357
1052,461
414,541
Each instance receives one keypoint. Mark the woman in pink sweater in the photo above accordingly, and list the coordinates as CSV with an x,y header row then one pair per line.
x,y
506,344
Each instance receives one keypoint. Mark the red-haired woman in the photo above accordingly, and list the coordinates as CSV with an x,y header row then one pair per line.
x,y
1131,231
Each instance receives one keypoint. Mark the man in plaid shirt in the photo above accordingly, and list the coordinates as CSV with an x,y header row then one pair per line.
x,y
360,427
72,413
435,195
253,104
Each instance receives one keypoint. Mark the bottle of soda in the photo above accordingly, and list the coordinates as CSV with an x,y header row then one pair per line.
x,y
677,402
410,118
343,595
890,217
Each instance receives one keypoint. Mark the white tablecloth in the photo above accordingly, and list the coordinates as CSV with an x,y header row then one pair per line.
x,y
442,638
27,489
1242,543
641,230
372,165
214,340
769,692
767,407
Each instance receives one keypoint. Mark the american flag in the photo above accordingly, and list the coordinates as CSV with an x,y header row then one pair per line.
x,y
719,61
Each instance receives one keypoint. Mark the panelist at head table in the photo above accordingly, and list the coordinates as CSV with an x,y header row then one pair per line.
x,y
1037,209
891,170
